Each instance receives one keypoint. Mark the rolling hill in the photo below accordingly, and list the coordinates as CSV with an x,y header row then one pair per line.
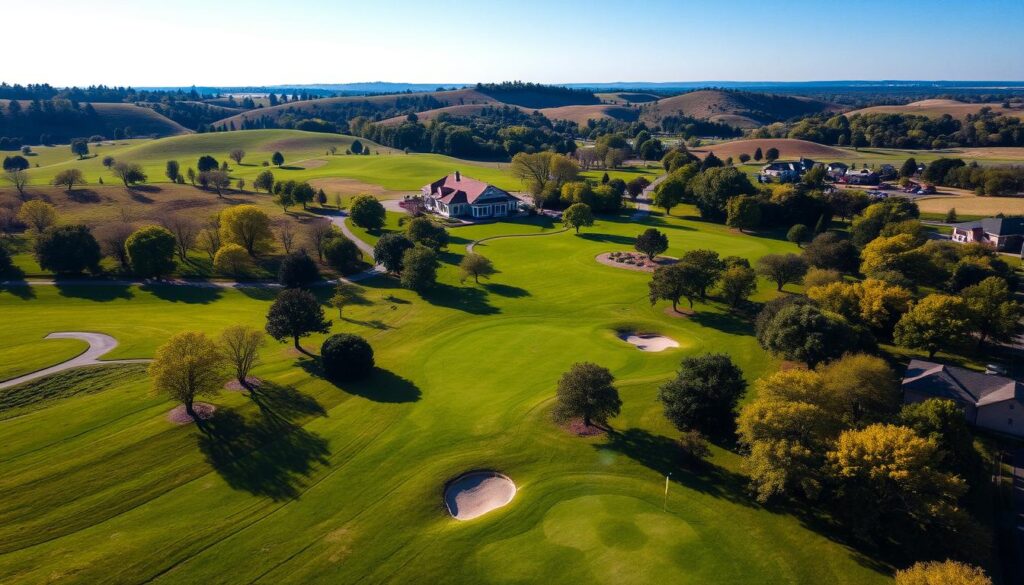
x,y
461,110
938,107
63,126
627,97
736,108
788,149
312,108
580,114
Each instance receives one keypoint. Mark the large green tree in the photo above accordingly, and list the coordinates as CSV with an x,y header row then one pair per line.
x,y
389,251
578,215
68,249
587,391
366,212
296,313
704,394
713,188
935,322
151,251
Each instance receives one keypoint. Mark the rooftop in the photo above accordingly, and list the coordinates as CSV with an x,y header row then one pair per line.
x,y
960,384
1000,226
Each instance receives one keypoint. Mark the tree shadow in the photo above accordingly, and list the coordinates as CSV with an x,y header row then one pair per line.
x,y
14,282
101,293
725,322
139,197
662,454
506,290
284,403
466,299
373,323
193,295
268,456
259,293
146,188
609,238
83,196
379,385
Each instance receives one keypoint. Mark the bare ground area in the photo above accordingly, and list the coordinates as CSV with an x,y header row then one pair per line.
x,y
343,186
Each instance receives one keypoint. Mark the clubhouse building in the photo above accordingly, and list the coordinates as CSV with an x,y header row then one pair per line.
x,y
458,196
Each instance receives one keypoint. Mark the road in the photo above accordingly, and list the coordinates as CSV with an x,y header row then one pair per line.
x,y
99,345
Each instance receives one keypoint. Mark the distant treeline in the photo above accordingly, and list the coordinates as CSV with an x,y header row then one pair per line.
x,y
496,133
43,121
339,113
987,128
991,181
535,95
690,127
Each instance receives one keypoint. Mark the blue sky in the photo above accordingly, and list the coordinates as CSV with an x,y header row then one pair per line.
x,y
227,42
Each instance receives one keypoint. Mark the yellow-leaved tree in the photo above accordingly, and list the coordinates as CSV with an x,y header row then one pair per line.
x,y
190,364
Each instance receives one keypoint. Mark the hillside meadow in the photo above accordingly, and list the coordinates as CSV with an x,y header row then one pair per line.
x,y
306,156
309,481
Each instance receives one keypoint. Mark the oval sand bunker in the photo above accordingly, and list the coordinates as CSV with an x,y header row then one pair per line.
x,y
648,342
477,493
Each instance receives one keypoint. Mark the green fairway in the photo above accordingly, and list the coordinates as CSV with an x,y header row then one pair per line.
x,y
22,356
321,483
306,158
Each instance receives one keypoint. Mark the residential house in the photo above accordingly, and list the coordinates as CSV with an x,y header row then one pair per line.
x,y
1005,234
458,196
860,176
836,170
785,172
989,402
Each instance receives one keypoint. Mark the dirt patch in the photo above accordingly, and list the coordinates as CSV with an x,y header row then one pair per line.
x,y
234,386
178,416
315,163
634,261
680,313
579,429
477,493
343,186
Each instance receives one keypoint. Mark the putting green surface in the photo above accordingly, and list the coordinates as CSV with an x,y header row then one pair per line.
x,y
309,482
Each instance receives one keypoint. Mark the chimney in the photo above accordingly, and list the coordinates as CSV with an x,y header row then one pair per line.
x,y
458,177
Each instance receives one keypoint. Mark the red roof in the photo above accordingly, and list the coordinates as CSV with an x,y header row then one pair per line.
x,y
456,188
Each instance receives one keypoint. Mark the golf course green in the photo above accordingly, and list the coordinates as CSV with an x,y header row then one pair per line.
x,y
311,482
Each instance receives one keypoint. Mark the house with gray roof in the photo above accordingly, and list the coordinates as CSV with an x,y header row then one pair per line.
x,y
1005,234
989,402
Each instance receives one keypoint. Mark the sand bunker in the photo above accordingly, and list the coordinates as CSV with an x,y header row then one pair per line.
x,y
648,342
477,493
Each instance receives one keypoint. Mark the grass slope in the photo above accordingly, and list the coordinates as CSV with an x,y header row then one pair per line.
x,y
305,159
143,121
788,149
581,114
324,483
452,97
935,108
737,108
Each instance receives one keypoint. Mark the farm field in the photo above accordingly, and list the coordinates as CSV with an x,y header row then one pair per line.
x,y
325,483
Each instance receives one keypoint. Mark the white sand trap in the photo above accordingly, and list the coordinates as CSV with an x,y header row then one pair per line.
x,y
648,342
477,493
